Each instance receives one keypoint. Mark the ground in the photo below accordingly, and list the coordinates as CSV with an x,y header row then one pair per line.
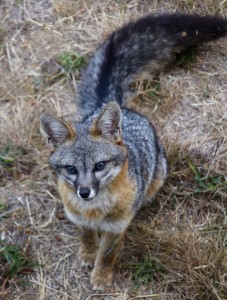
x,y
176,248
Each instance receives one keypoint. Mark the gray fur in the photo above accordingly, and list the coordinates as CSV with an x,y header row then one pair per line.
x,y
144,151
148,43
120,78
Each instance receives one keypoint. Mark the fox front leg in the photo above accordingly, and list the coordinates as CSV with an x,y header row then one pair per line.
x,y
88,247
102,274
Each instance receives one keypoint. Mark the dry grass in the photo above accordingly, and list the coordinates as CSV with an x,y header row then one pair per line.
x,y
182,236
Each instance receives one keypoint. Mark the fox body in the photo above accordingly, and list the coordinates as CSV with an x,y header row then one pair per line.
x,y
111,162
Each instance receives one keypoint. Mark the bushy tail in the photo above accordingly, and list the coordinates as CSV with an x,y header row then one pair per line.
x,y
148,43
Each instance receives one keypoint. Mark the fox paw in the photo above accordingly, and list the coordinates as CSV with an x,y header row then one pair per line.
x,y
100,279
87,260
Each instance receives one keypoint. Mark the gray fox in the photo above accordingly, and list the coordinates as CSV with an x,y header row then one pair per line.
x,y
111,163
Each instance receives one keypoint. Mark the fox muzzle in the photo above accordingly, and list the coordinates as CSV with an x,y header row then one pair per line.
x,y
86,193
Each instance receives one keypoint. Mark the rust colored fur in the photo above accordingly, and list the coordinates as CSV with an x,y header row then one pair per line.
x,y
155,186
125,189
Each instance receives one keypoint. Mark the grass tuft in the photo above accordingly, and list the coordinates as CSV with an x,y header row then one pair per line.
x,y
15,163
65,65
213,183
187,58
14,261
144,271
6,158
70,62
154,92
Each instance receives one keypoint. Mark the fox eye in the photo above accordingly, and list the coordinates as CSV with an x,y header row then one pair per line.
x,y
100,166
71,169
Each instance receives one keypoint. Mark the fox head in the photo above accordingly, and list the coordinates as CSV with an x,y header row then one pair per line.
x,y
87,156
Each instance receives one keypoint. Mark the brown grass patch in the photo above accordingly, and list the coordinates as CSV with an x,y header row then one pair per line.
x,y
176,248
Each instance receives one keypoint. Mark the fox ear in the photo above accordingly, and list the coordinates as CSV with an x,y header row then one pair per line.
x,y
108,122
56,130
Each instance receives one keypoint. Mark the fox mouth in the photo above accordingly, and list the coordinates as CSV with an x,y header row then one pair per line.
x,y
87,199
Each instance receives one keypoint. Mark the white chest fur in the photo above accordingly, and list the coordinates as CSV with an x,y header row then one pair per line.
x,y
105,202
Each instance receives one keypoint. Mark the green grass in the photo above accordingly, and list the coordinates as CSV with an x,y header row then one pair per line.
x,y
186,58
19,2
144,271
60,68
3,33
155,91
14,261
2,206
15,163
6,158
8,162
213,183
70,62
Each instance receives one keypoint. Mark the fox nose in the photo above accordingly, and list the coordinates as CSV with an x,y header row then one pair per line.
x,y
84,192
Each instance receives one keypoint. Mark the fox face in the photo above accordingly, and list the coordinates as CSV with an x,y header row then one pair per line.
x,y
87,164
87,156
